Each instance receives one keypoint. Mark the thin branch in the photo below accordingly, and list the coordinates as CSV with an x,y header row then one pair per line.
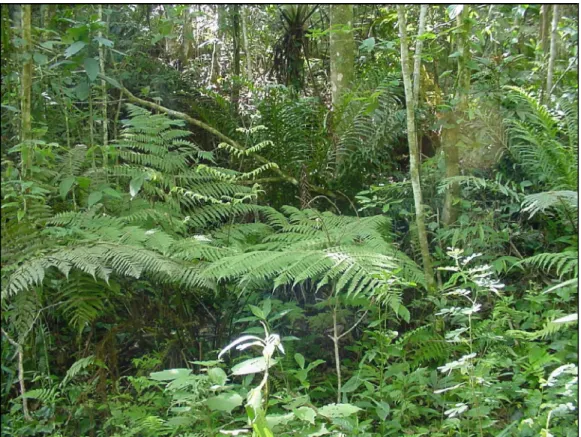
x,y
20,374
354,326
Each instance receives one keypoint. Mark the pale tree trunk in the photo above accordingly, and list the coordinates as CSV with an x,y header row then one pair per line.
x,y
187,33
418,54
342,49
451,136
103,83
247,55
552,56
235,15
26,87
342,54
217,49
413,149
545,20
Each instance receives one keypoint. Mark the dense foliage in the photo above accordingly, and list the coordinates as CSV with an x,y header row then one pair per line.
x,y
204,233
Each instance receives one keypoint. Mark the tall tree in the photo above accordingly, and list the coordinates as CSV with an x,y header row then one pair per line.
x,y
249,74
418,53
451,135
103,82
26,83
413,149
545,20
553,54
235,17
342,49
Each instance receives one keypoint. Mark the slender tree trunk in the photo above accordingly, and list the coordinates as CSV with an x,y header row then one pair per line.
x,y
545,20
553,55
418,54
249,74
236,56
451,136
103,82
413,148
26,87
20,352
187,33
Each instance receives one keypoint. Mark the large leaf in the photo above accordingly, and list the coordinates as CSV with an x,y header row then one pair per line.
x,y
338,410
94,197
66,185
82,90
91,68
305,413
170,375
217,376
135,185
253,365
225,402
74,48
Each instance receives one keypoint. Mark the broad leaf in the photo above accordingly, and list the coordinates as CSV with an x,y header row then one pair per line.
x,y
305,413
253,365
74,48
338,410
91,68
170,375
66,185
94,197
225,402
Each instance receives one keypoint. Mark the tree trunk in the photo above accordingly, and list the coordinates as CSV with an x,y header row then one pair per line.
x,y
552,56
26,87
545,20
418,54
249,74
235,15
187,33
451,136
342,50
413,148
103,82
342,54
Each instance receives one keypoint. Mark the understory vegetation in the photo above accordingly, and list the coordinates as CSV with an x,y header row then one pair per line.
x,y
306,220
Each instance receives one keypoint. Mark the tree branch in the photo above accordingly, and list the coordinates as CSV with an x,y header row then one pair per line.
x,y
20,352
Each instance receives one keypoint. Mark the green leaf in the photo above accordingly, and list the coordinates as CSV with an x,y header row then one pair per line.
x,y
257,312
74,48
217,376
82,90
20,214
135,185
367,45
112,192
253,365
300,360
382,410
66,185
91,68
338,410
278,419
112,81
39,58
106,42
305,413
94,197
266,307
351,385
170,375
225,402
